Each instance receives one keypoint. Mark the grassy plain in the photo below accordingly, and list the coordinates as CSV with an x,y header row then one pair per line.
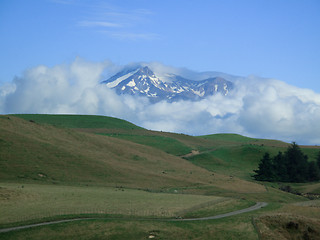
x,y
34,201
269,223
55,166
231,228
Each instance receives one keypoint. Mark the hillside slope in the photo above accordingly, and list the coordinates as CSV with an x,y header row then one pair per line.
x,y
78,121
43,153
66,166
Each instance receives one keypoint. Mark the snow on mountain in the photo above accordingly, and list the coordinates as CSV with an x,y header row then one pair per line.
x,y
143,82
120,79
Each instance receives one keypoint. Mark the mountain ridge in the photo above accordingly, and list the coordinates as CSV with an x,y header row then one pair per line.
x,y
142,81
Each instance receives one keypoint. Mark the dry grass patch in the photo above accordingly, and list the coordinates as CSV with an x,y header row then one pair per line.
x,y
310,209
234,184
32,201
284,227
309,188
240,229
300,220
312,203
216,207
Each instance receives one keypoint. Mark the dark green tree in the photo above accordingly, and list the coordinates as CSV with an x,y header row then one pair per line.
x,y
280,168
318,160
291,166
314,172
297,164
266,169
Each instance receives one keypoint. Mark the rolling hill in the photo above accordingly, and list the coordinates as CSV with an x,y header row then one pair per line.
x,y
36,150
110,151
95,161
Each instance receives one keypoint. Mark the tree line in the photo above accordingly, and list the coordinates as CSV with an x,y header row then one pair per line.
x,y
290,166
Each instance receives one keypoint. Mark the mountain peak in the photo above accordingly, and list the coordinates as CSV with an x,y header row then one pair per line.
x,y
143,82
146,70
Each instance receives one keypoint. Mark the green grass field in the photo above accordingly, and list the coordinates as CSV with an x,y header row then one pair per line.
x,y
228,138
78,121
237,228
236,160
166,144
60,166
33,201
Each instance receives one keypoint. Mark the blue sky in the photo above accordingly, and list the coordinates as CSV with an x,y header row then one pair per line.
x,y
268,38
54,53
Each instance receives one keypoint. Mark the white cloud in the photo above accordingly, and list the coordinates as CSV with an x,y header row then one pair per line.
x,y
99,24
107,19
257,107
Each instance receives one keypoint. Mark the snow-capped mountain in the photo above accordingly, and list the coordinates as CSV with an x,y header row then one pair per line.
x,y
143,82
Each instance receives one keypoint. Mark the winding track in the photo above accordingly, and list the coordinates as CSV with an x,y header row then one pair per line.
x,y
257,206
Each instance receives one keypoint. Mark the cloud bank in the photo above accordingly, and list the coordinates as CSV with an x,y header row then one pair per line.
x,y
257,107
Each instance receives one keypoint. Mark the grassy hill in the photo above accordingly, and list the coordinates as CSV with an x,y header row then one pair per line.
x,y
37,152
78,121
108,151
57,162
236,138
239,155
31,152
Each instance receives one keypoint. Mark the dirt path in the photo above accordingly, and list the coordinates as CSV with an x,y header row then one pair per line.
x,y
196,152
257,206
